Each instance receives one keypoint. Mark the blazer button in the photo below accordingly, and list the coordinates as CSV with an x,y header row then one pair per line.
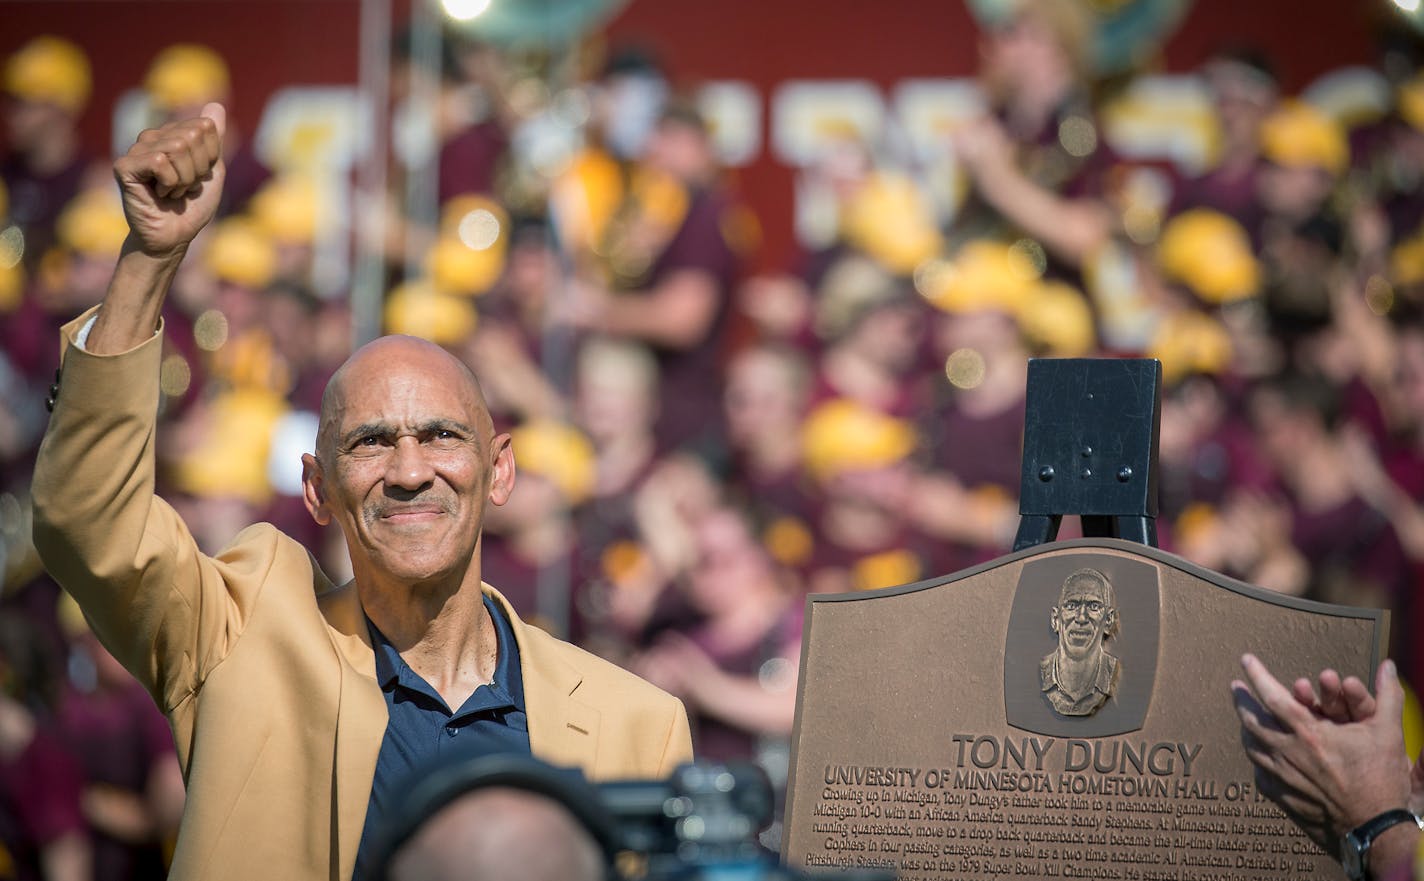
x,y
49,404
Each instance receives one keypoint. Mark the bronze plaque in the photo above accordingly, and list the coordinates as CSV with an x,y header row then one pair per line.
x,y
1063,712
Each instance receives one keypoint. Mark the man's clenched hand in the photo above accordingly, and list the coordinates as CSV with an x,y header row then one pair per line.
x,y
171,180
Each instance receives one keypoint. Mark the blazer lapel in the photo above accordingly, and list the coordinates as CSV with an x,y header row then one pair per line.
x,y
360,725
562,729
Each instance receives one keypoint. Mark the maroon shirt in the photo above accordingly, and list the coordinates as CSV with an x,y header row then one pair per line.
x,y
717,740
979,450
117,737
36,201
469,160
691,382
40,790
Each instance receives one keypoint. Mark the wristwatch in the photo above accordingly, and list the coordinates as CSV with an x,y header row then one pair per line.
x,y
1355,844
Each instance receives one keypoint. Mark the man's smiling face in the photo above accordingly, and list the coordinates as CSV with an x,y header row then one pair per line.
x,y
1083,616
406,459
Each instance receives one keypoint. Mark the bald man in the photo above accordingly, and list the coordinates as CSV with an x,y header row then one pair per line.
x,y
296,704
500,834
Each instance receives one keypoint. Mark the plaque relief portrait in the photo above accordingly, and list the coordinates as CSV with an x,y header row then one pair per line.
x,y
1080,674
1080,655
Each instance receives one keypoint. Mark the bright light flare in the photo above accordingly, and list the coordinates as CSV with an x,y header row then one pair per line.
x,y
464,10
479,229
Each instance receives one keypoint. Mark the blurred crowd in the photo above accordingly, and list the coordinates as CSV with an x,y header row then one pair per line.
x,y
700,446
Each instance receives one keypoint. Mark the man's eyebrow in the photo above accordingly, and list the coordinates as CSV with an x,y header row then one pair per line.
x,y
381,429
364,429
445,425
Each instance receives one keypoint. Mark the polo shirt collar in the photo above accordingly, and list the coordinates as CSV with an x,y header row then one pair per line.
x,y
507,686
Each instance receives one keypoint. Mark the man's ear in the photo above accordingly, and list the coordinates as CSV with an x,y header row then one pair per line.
x,y
314,490
1110,623
502,471
1053,621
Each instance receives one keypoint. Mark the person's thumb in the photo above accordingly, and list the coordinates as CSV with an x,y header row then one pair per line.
x,y
1389,693
218,114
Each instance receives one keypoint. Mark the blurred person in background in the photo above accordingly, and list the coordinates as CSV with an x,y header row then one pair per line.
x,y
1306,154
1244,92
87,236
1350,554
874,330
473,115
767,399
525,363
616,405
215,457
859,460
779,304
975,424
1036,162
735,666
42,828
47,85
1389,473
84,246
179,81
533,536
672,282
133,786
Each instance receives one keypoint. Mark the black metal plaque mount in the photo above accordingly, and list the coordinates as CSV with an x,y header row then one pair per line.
x,y
1090,448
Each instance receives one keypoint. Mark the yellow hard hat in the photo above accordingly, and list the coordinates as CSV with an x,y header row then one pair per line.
x,y
241,253
789,540
12,286
250,360
1406,261
1211,254
52,70
660,197
186,74
558,452
890,221
1410,98
984,275
231,460
456,268
287,208
586,197
843,435
93,223
417,309
1190,342
1298,135
886,569
1055,316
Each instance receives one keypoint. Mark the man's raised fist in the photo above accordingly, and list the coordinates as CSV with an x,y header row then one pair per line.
x,y
171,180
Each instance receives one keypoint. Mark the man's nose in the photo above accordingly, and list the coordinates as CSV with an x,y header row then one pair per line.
x,y
408,466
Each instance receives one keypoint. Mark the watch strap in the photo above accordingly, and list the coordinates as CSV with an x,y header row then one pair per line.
x,y
1362,836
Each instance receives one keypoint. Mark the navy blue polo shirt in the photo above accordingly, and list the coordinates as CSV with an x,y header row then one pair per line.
x,y
421,728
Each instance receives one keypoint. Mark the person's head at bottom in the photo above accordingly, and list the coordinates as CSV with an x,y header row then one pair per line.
x,y
500,818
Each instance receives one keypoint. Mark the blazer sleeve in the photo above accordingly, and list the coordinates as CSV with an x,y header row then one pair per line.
x,y
168,613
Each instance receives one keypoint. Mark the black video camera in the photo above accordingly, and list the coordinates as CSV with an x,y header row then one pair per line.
x,y
699,824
